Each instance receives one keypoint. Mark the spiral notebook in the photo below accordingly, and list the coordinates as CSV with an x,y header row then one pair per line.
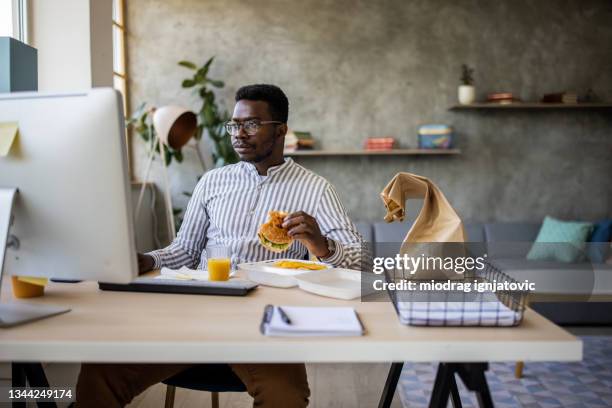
x,y
310,321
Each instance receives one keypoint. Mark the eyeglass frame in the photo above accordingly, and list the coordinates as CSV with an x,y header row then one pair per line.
x,y
260,123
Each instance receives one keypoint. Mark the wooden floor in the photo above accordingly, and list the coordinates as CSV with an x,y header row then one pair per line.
x,y
331,386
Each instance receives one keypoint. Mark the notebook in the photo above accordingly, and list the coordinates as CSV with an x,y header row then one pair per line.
x,y
310,321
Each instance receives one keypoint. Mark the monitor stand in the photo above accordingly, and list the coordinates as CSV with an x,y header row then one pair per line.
x,y
15,313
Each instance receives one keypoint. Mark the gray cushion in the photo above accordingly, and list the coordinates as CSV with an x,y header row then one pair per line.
x,y
510,239
573,313
365,229
389,237
474,231
396,231
561,278
391,232
512,231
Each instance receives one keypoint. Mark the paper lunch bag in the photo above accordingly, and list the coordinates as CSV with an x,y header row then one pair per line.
x,y
437,222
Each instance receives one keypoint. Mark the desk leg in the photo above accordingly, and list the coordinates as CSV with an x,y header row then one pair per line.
x,y
18,378
454,392
35,376
442,386
472,375
392,378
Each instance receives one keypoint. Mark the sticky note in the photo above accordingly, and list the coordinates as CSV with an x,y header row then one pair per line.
x,y
33,281
8,133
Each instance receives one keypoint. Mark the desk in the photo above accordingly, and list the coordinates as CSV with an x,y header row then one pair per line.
x,y
167,328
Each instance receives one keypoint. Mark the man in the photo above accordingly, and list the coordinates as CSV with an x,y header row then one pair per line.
x,y
227,207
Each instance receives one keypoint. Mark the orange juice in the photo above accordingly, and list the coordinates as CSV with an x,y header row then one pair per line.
x,y
219,269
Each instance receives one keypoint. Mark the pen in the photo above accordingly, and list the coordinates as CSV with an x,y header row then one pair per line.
x,y
283,315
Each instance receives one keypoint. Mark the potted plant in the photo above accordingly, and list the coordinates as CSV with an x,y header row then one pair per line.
x,y
211,118
467,92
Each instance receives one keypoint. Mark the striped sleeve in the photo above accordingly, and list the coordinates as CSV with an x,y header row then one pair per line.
x,y
337,226
190,241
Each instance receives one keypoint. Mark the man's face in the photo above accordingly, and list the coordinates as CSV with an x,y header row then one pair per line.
x,y
260,146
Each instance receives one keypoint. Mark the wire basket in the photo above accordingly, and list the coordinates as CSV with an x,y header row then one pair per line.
x,y
460,308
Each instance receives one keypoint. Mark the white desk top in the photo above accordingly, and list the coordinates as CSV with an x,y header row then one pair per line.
x,y
147,327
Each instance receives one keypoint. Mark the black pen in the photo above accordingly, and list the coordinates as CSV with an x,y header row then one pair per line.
x,y
283,315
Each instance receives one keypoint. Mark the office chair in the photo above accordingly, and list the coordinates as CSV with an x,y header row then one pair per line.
x,y
214,378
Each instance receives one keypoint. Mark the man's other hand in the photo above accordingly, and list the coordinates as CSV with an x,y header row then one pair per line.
x,y
305,229
145,263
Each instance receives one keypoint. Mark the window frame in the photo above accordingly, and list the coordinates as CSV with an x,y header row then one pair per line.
x,y
19,20
121,77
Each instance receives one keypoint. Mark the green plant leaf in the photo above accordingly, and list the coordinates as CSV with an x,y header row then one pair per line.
x,y
178,155
188,83
209,115
187,64
216,83
167,157
199,78
210,61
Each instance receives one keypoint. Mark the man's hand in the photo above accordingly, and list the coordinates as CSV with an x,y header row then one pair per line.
x,y
145,263
305,229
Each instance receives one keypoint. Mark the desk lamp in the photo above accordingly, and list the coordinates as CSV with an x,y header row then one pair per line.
x,y
174,126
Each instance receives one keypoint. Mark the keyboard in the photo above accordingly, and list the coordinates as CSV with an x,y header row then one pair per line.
x,y
234,287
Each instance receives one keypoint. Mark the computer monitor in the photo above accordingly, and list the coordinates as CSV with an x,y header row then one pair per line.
x,y
72,214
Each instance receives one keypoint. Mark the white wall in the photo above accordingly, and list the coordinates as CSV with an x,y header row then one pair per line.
x,y
74,42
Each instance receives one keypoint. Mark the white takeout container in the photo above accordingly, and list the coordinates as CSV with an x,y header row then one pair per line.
x,y
336,283
265,273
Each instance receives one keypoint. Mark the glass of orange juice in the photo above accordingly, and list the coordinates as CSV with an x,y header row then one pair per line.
x,y
219,262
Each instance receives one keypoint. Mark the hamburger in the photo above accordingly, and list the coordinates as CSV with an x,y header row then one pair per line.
x,y
272,235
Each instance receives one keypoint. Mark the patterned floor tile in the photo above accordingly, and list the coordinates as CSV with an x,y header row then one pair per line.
x,y
587,384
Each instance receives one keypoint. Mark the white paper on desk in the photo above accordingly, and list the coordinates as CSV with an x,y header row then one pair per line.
x,y
185,273
315,321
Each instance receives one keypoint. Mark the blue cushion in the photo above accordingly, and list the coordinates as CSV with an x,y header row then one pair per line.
x,y
562,241
601,236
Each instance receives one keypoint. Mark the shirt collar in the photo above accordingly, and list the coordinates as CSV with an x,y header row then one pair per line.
x,y
250,167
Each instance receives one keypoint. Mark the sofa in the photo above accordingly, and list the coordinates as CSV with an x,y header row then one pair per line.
x,y
569,294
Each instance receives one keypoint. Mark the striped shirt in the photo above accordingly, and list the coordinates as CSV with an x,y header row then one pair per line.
x,y
230,203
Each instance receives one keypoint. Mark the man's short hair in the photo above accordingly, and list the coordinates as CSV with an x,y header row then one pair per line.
x,y
278,103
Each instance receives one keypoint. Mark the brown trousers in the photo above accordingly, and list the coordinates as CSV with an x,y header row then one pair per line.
x,y
115,385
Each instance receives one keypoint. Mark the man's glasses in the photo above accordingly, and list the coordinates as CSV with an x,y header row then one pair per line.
x,y
251,126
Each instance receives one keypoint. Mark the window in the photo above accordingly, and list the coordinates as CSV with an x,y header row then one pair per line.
x,y
119,52
13,19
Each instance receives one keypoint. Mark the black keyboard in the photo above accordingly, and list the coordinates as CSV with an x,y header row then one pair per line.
x,y
235,287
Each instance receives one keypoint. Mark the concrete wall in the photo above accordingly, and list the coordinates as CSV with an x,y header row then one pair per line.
x,y
354,69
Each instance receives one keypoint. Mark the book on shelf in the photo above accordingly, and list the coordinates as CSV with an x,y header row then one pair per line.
x,y
435,136
379,143
560,97
502,98
434,129
296,140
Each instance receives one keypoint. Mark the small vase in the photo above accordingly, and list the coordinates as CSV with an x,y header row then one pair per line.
x,y
467,94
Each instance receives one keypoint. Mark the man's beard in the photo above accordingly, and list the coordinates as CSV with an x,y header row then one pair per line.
x,y
263,156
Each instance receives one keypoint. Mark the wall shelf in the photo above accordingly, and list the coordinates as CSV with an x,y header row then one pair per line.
x,y
393,152
532,105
